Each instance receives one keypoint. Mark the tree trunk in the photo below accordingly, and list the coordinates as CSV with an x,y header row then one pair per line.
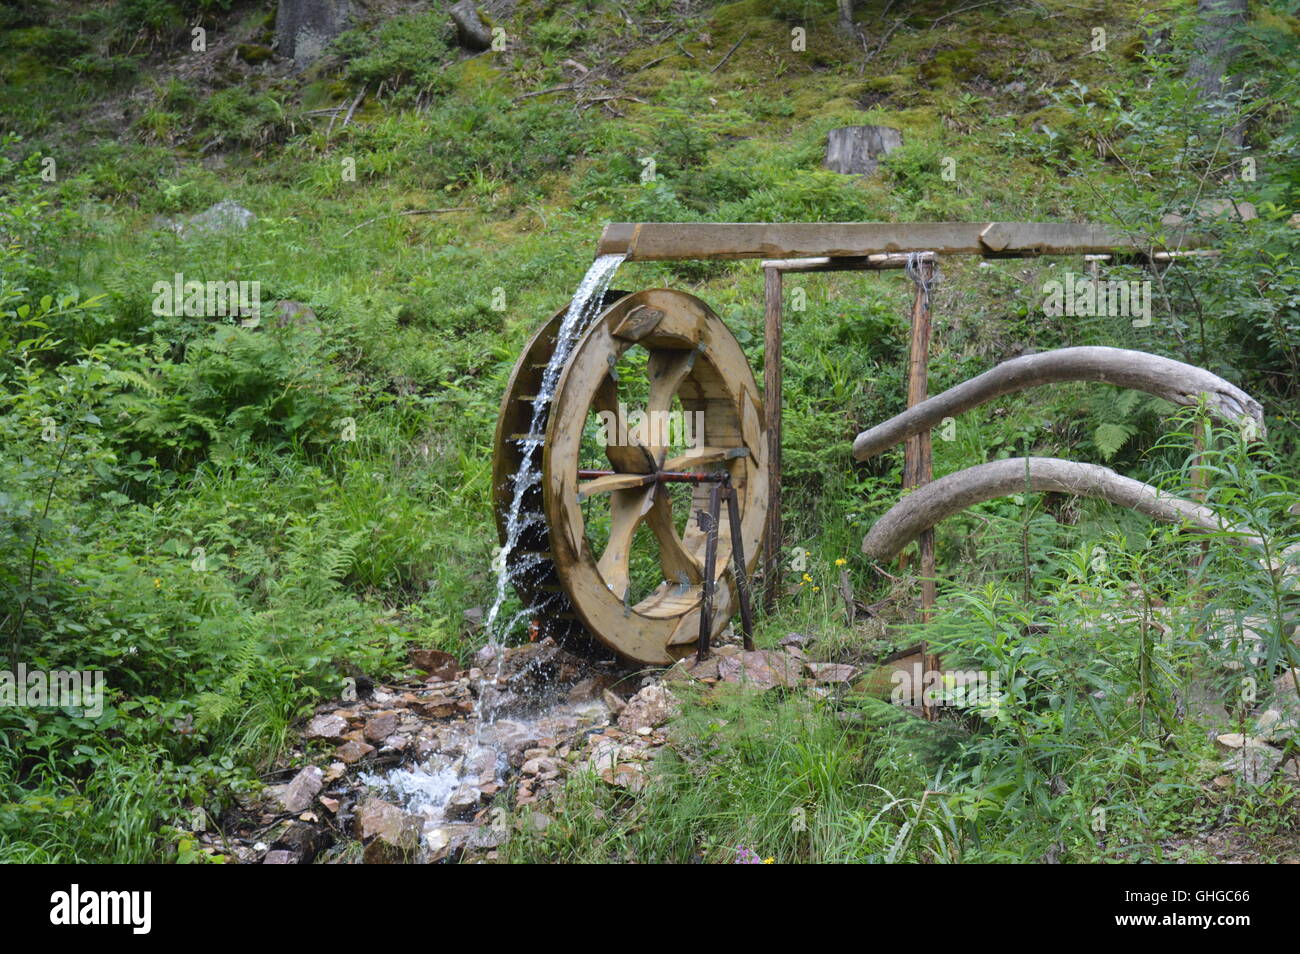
x,y
1215,46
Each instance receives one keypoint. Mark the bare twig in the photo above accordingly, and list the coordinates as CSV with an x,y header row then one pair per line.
x,y
460,208
353,108
735,46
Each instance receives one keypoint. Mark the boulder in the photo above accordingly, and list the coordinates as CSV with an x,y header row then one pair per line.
x,y
471,32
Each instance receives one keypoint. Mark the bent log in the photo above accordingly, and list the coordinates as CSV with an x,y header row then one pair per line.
x,y
948,495
1174,381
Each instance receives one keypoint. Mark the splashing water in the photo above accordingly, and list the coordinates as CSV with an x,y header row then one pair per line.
x,y
586,302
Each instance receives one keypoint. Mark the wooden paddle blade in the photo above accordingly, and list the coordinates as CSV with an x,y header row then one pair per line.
x,y
704,457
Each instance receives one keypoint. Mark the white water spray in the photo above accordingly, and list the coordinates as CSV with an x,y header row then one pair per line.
x,y
586,303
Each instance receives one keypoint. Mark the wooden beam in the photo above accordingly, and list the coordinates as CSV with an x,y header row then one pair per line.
x,y
659,241
772,291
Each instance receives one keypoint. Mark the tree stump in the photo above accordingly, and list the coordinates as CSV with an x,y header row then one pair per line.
x,y
855,150
303,28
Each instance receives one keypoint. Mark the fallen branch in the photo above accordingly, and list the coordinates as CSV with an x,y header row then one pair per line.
x,y
934,502
735,46
393,215
353,108
1174,381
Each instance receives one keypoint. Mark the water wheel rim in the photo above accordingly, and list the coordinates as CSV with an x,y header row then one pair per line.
x,y
664,626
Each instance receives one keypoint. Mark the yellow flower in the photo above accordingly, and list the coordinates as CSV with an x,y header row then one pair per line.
x,y
807,578
769,861
157,583
817,589
841,561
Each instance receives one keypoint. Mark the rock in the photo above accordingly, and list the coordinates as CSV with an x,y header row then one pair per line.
x,y
354,751
225,216
1255,764
855,150
326,726
279,858
463,802
797,640
295,314
538,821
652,706
1273,726
303,28
471,32
253,53
612,702
474,616
304,842
299,793
436,663
831,672
335,771
762,669
488,836
380,726
627,775
586,689
393,835
437,706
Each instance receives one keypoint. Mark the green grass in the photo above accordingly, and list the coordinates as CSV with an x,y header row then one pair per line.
x,y
321,553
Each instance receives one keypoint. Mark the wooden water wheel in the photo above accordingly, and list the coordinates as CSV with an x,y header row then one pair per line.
x,y
619,557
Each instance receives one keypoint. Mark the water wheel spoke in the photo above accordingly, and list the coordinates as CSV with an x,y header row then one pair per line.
x,y
612,482
677,562
627,508
666,370
629,458
703,457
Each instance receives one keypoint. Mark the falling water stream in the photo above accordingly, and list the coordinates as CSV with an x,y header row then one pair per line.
x,y
583,308
427,788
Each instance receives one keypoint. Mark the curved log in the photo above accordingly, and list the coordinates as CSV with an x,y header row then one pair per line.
x,y
1172,380
948,495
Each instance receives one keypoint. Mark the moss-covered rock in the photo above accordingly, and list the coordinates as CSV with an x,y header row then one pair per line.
x,y
253,53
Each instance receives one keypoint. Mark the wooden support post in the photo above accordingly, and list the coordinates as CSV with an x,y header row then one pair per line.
x,y
772,405
918,466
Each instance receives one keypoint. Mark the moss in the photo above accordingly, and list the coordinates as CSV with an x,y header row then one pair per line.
x,y
253,53
952,67
473,73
